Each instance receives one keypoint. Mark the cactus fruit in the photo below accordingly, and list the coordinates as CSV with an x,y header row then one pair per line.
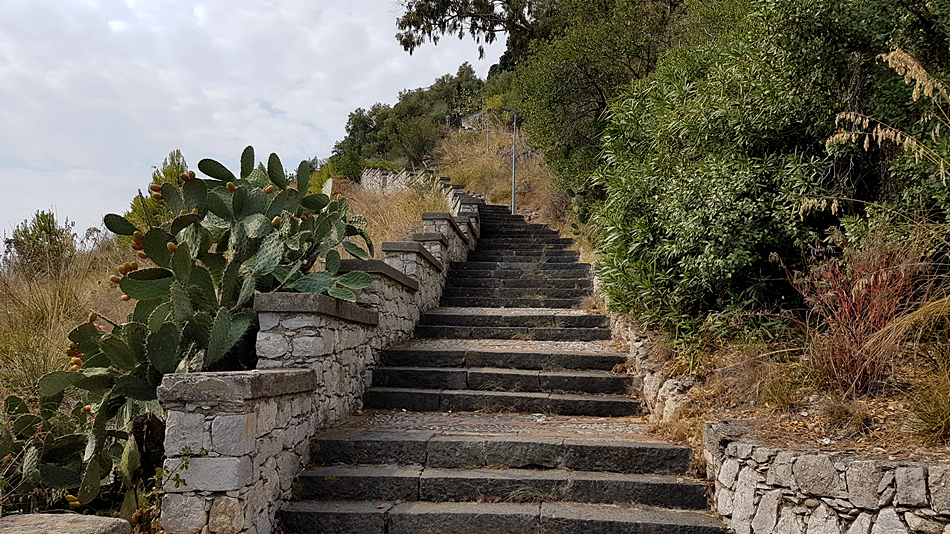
x,y
157,196
122,270
183,177
136,247
134,265
182,212
115,279
92,318
231,187
194,211
142,255
155,188
269,189
137,237
275,222
192,175
126,298
74,368
172,247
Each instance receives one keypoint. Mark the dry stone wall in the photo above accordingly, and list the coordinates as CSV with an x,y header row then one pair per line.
x,y
244,436
765,490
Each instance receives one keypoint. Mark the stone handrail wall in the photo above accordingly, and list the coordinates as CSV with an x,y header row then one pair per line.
x,y
766,490
244,436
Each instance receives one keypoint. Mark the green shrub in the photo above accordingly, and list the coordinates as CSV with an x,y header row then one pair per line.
x,y
41,244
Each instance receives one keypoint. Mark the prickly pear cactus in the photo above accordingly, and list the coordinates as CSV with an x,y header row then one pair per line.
x,y
194,279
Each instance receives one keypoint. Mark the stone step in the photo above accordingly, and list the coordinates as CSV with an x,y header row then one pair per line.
x,y
521,258
514,293
431,484
568,303
565,283
372,517
511,332
514,266
433,448
525,247
523,274
534,252
535,319
493,379
533,355
494,236
464,400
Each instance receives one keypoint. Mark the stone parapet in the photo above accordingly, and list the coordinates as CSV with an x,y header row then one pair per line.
x,y
770,490
245,435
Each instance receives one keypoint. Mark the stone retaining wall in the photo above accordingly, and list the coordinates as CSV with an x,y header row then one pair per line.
x,y
245,435
765,490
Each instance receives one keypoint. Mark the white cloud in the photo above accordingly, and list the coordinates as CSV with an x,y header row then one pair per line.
x,y
95,94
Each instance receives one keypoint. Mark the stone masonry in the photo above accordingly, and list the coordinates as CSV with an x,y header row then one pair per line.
x,y
244,435
764,490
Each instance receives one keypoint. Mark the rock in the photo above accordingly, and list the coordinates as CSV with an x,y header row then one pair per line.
x,y
863,479
71,523
745,499
888,522
789,523
886,481
919,524
227,516
780,474
816,475
861,525
939,481
767,514
911,486
887,497
183,514
724,501
823,521
728,473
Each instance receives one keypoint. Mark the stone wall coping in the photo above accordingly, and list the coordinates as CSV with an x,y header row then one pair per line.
x,y
234,386
381,268
467,221
427,237
72,523
408,246
438,216
314,303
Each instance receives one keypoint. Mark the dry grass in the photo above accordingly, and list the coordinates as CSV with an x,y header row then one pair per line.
x,y
394,216
37,311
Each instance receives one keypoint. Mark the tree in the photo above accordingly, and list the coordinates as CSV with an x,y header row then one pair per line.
x,y
483,20
144,208
40,244
568,81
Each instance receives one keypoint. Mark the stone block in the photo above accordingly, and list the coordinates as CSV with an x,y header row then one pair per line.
x,y
184,429
789,523
210,474
888,522
911,486
780,473
939,482
728,473
767,514
823,520
272,345
863,478
234,435
227,516
745,498
861,525
920,524
816,475
183,514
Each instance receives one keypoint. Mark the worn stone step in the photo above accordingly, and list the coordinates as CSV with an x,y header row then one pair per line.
x,y
483,353
432,484
511,332
497,379
433,400
574,272
511,302
537,318
435,449
552,241
521,258
565,283
373,517
514,266
515,292
532,252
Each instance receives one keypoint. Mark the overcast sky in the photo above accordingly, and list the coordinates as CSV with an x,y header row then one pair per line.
x,y
94,93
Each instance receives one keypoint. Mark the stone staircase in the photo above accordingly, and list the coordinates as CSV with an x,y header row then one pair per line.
x,y
556,445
